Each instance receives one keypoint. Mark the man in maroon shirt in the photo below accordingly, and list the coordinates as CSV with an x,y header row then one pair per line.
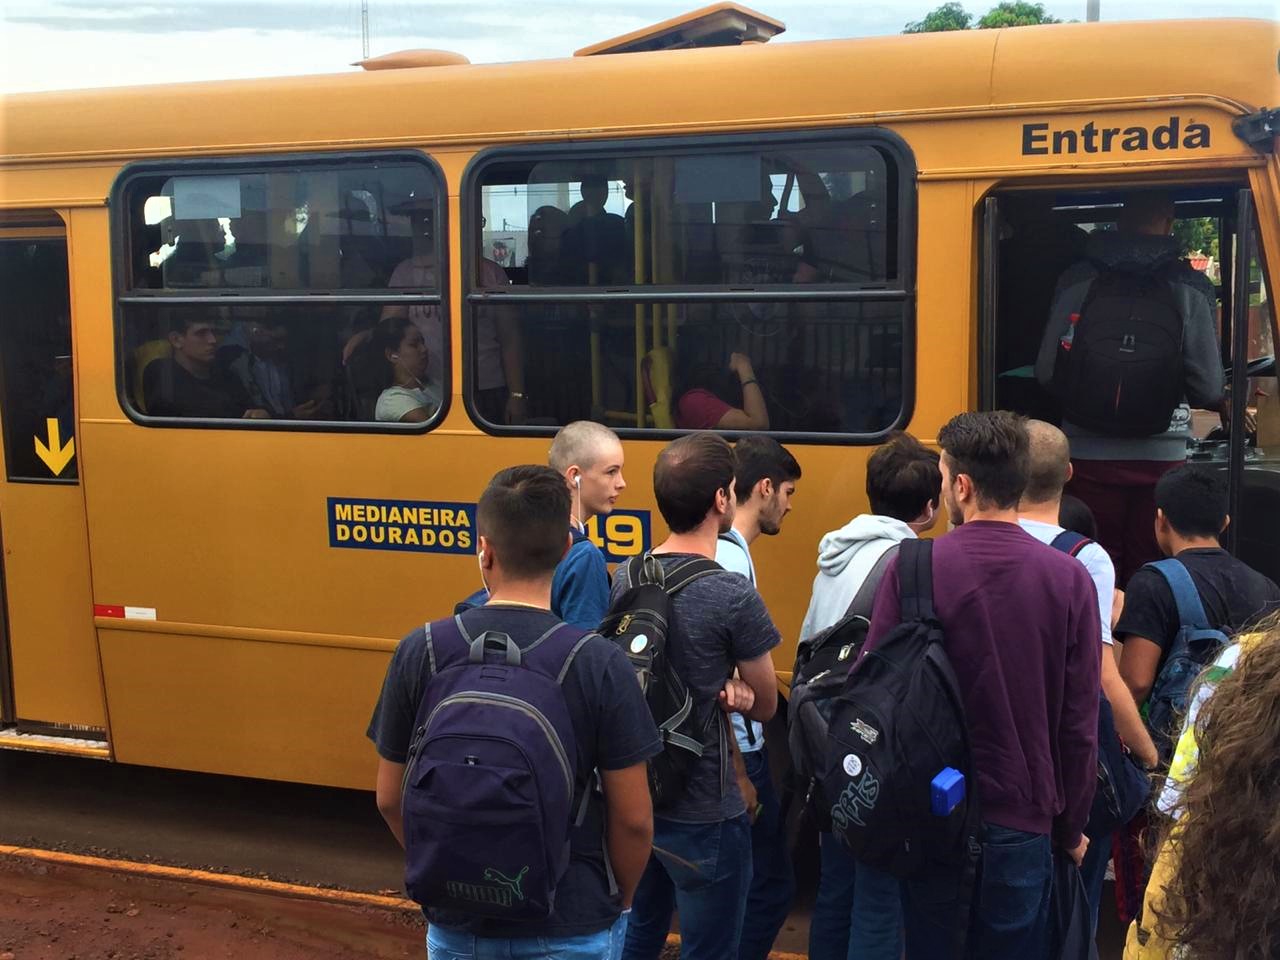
x,y
1023,636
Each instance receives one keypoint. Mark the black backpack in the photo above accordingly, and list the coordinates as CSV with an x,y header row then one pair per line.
x,y
640,623
821,667
1119,363
899,779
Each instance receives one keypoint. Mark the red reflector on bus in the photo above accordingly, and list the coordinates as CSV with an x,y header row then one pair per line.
x,y
108,610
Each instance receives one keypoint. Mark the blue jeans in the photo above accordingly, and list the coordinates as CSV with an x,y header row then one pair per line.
x,y
1094,873
703,871
858,911
1010,915
446,944
772,881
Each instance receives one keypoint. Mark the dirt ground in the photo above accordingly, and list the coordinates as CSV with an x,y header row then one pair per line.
x,y
54,912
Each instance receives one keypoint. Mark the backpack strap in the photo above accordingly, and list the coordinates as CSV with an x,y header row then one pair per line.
x,y
687,572
915,580
1190,608
1070,542
863,601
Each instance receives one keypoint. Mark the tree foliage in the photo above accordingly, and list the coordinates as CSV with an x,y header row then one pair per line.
x,y
949,16
1016,14
953,16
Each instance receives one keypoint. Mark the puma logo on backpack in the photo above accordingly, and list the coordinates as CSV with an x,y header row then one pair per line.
x,y
640,621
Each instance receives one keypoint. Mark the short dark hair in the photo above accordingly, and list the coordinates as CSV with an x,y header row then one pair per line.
x,y
1194,500
688,474
903,478
991,447
525,513
1074,514
760,457
389,333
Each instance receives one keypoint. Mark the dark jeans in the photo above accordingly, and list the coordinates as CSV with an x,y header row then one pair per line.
x,y
858,911
1094,873
1010,915
772,881
703,871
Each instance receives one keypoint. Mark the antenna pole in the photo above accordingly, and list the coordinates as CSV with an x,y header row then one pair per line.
x,y
1092,13
364,28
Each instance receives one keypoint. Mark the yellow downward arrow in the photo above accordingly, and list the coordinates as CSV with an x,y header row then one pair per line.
x,y
55,455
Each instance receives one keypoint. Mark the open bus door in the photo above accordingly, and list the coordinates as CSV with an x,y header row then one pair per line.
x,y
51,695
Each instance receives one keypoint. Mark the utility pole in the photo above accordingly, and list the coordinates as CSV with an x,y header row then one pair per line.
x,y
1092,13
364,27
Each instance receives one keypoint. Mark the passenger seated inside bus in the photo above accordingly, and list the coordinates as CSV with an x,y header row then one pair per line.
x,y
714,397
256,353
407,398
189,383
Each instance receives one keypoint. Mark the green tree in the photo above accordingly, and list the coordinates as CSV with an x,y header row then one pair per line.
x,y
1016,14
949,16
1197,234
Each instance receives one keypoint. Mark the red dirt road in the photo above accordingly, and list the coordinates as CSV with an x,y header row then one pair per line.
x,y
57,912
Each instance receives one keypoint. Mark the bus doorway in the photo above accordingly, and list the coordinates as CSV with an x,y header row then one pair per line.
x,y
51,694
1030,238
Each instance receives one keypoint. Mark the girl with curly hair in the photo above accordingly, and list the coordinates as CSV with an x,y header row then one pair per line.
x,y
1215,891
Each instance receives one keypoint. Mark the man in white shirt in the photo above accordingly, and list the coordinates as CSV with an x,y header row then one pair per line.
x,y
1048,472
765,481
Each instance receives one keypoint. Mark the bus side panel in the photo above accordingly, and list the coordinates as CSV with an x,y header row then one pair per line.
x,y
278,711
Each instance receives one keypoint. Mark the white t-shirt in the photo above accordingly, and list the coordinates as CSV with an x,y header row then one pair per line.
x,y
1095,559
395,402
736,556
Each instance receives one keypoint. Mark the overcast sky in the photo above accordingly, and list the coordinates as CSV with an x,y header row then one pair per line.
x,y
59,44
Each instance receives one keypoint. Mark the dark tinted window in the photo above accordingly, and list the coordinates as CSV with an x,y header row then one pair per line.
x,y
790,254
302,291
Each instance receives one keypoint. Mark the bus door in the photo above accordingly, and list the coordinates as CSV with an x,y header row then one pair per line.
x,y
51,694
1030,237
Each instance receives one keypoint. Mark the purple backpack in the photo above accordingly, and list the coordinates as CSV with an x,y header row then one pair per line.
x,y
490,781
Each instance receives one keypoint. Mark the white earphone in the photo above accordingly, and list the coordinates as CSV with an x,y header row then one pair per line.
x,y
577,482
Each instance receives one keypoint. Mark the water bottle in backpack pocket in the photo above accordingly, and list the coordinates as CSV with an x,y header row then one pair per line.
x,y
640,622
491,779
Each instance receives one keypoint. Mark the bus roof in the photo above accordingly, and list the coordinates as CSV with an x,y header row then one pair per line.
x,y
752,86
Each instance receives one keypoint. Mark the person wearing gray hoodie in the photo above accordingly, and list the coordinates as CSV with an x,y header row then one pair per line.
x,y
856,905
1116,475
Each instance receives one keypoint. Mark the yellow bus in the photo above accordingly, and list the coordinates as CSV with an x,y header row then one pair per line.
x,y
211,542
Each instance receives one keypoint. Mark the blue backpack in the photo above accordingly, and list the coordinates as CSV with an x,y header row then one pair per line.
x,y
1193,649
491,777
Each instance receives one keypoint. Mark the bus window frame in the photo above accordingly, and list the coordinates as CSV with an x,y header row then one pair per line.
x,y
124,296
902,288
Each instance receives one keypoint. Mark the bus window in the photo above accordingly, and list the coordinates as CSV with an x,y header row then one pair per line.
x,y
635,274
282,290
36,396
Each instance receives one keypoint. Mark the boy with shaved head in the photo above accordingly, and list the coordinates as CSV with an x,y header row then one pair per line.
x,y
589,457
1048,472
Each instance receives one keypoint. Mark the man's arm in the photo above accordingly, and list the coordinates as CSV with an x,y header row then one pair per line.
x,y
1078,727
628,825
1201,354
1128,721
389,792
1139,659
762,679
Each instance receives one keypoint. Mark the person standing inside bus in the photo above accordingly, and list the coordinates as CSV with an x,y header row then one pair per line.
x,y
1137,265
766,481
589,457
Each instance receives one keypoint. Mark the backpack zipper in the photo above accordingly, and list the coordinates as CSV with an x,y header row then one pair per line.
x,y
510,703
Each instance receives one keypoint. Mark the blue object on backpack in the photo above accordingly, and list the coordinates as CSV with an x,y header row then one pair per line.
x,y
1193,649
491,777
946,791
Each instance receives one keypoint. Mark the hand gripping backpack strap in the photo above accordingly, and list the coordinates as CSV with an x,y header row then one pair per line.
x,y
1190,608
